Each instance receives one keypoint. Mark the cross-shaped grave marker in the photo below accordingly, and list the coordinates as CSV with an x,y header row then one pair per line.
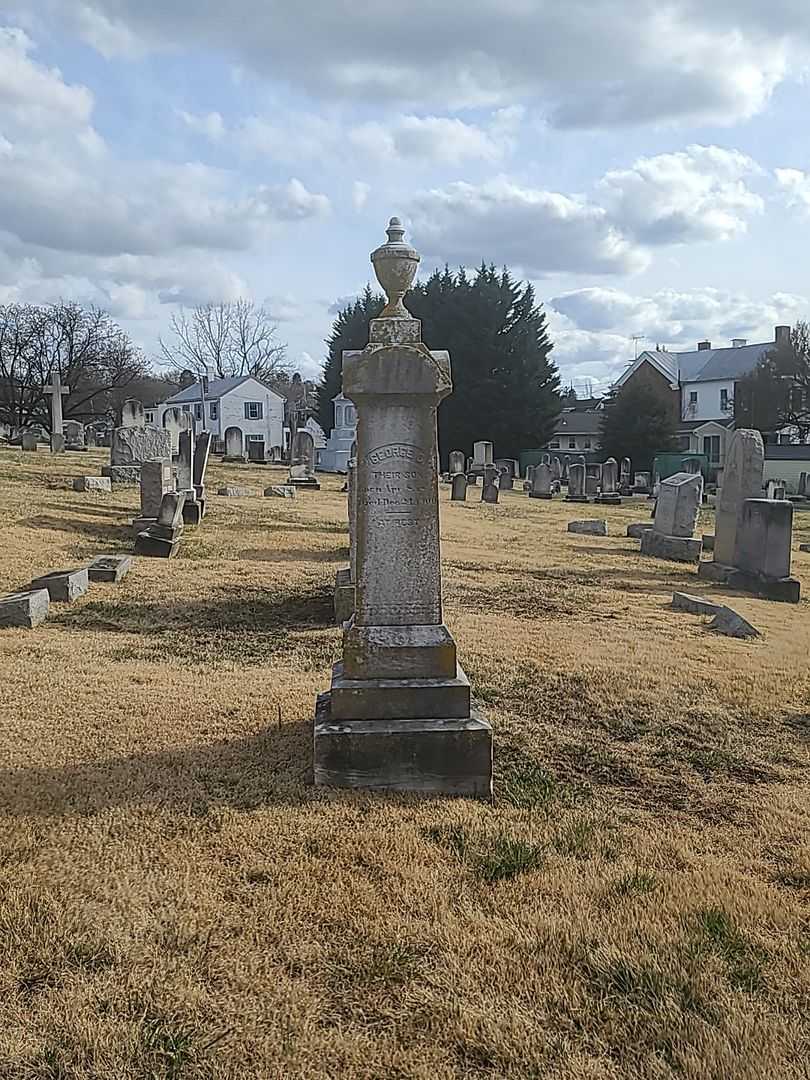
x,y
56,391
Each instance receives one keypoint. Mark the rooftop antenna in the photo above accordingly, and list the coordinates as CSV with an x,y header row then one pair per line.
x,y
636,338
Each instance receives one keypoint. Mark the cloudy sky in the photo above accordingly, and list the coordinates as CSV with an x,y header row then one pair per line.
x,y
646,165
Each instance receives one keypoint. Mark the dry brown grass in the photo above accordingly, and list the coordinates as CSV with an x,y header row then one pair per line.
x,y
177,902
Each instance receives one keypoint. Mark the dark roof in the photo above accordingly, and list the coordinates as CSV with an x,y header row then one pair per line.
x,y
787,451
703,365
217,388
691,425
577,423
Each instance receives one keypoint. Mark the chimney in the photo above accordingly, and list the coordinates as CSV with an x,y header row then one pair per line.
x,y
704,345
738,342
782,335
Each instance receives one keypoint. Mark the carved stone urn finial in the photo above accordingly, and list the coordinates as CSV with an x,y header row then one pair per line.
x,y
395,265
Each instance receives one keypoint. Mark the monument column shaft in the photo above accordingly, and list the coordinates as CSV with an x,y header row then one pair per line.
x,y
397,515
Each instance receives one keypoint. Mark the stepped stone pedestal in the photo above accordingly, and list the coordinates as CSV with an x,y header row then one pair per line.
x,y
398,715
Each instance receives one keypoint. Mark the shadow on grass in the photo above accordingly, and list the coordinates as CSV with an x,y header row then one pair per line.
x,y
245,773
290,554
237,625
98,530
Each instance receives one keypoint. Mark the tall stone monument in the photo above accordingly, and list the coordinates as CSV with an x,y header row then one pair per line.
x,y
609,488
56,392
398,715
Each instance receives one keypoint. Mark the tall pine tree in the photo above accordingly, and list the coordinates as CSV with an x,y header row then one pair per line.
x,y
505,386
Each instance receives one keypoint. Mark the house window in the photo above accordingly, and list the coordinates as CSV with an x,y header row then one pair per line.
x,y
213,410
350,416
693,399
198,412
254,438
253,410
586,445
186,408
572,443
554,444
724,400
711,448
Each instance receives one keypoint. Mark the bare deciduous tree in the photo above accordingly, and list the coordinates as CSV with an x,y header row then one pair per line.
x,y
226,339
92,354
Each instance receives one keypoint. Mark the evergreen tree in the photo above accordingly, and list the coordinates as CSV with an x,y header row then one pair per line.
x,y
637,422
349,331
505,387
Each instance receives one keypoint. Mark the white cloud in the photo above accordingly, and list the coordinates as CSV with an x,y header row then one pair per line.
x,y
211,124
34,97
795,186
283,307
437,139
360,193
696,194
590,62
540,232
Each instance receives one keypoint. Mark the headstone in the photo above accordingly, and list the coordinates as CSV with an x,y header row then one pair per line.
x,y
64,586
25,609
472,479
232,492
156,481
456,463
459,490
742,479
56,392
678,505
302,461
202,451
609,488
173,423
280,491
192,511
626,477
133,414
482,455
576,484
590,527
695,605
74,435
110,568
676,513
635,530
491,475
92,483
727,621
161,539
593,478
764,534
399,715
234,450
29,440
556,469
641,483
541,482
489,491
132,446
505,482
346,577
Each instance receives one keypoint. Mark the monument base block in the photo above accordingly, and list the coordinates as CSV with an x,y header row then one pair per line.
x,y
441,756
614,499
637,529
399,699
540,495
674,548
305,482
786,590
577,498
192,512
155,547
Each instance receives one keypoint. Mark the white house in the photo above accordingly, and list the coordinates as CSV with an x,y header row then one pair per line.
x,y
702,384
243,403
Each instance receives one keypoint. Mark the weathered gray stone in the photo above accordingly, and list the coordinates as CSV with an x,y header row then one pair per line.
x,y
202,452
74,435
729,622
457,462
482,455
641,483
111,568
674,548
185,461
396,729
344,596
636,530
786,590
234,450
25,609
489,492
678,505
763,537
593,478
695,605
155,482
155,547
30,440
170,513
57,443
232,492
505,481
591,527
576,484
122,475
92,483
280,491
541,482
608,488
742,479
459,491
132,414
64,586
56,392
132,445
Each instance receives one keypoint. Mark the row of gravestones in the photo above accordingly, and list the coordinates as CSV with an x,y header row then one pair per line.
x,y
602,482
171,499
753,535
31,606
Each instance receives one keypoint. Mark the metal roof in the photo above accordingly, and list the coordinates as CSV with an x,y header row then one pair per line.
x,y
217,388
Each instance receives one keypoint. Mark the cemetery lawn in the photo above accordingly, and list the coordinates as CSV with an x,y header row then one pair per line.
x,y
178,902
